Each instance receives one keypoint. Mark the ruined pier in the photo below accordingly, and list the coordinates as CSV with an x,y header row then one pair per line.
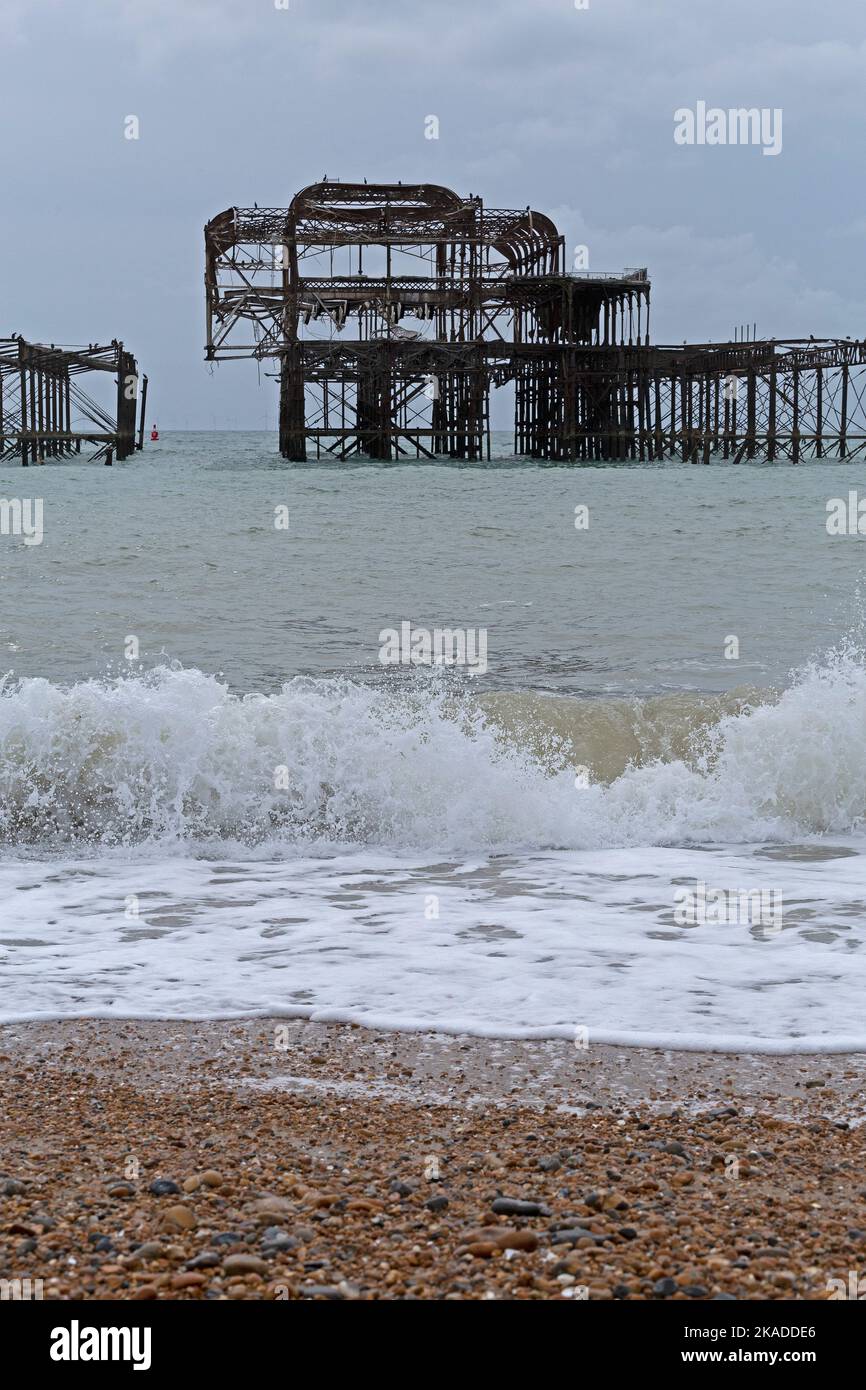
x,y
392,312
45,411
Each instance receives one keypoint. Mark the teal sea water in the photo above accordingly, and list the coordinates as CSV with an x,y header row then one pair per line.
x,y
215,799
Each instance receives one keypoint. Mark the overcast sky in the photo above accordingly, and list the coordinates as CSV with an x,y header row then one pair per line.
x,y
571,111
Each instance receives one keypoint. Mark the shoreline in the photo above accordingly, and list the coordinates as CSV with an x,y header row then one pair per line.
x,y
301,1160
531,1072
732,1045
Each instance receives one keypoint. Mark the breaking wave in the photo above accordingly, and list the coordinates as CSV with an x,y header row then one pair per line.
x,y
174,757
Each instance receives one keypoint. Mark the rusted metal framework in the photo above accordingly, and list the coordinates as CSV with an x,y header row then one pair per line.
x,y
393,311
45,411
773,399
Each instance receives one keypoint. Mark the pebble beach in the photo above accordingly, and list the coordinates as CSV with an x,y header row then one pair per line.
x,y
278,1160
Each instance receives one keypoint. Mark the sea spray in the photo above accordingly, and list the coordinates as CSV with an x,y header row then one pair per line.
x,y
174,757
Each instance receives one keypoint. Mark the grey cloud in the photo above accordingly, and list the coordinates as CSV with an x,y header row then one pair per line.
x,y
569,111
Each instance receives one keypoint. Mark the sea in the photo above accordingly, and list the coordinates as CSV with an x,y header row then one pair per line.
x,y
231,785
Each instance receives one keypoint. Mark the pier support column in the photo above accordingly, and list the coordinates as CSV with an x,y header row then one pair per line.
x,y
293,443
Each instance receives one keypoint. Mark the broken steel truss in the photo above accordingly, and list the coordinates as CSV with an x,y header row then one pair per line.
x,y
328,287
45,411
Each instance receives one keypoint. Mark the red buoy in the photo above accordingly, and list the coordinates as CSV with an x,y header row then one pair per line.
x,y
154,432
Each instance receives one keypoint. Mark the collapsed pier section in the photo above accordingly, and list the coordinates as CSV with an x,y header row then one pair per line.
x,y
45,411
392,313
386,308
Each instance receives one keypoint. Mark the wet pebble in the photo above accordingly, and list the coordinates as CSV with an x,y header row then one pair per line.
x,y
513,1206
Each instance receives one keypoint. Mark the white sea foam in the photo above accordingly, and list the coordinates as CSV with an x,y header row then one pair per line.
x,y
151,867
174,757
524,945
